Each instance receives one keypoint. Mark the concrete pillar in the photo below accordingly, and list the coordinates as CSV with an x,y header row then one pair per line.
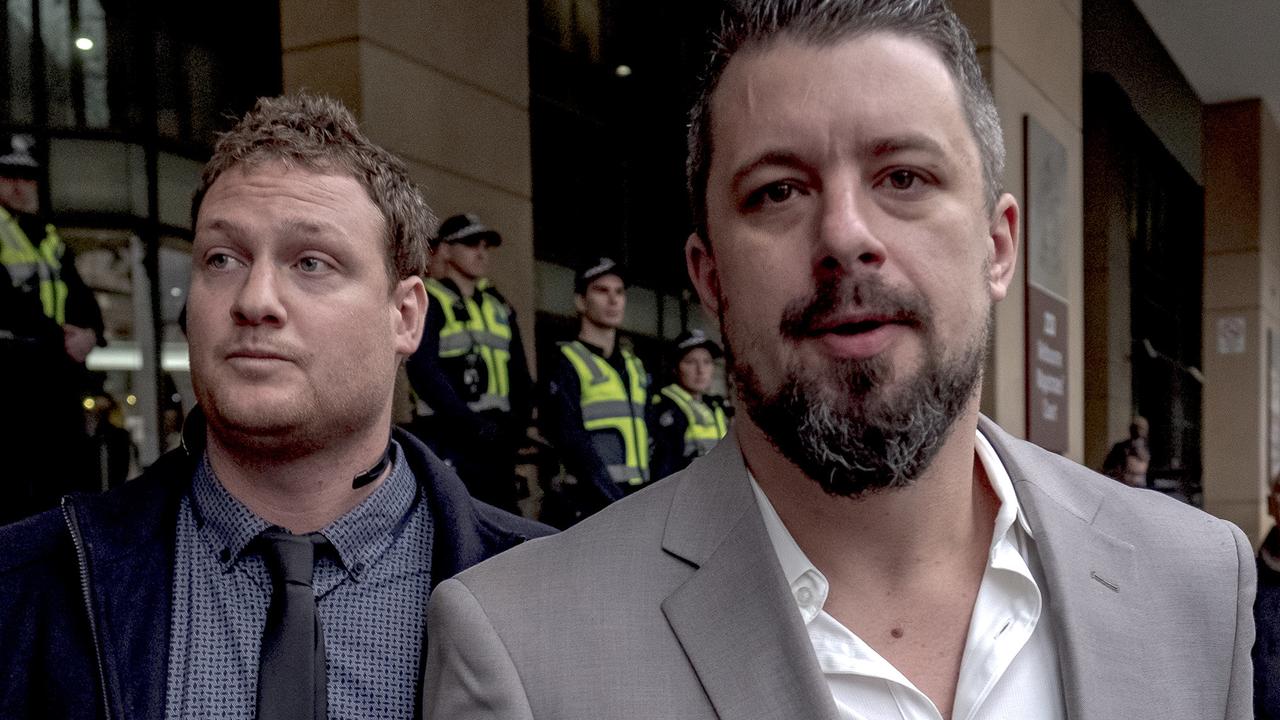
x,y
1031,55
444,85
1242,306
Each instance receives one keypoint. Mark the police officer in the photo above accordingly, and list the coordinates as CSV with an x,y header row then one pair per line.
x,y
684,420
595,409
49,321
470,371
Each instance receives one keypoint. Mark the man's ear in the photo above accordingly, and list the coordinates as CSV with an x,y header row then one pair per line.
x,y
1004,235
579,303
410,300
701,264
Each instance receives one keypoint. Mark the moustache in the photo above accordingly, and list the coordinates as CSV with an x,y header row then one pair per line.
x,y
868,296
254,347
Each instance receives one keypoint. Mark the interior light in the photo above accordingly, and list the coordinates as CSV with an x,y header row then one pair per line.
x,y
131,399
84,43
622,71
89,403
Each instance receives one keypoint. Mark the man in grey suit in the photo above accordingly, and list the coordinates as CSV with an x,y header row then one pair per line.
x,y
863,544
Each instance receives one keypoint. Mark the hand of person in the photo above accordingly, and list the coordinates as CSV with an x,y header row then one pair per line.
x,y
78,341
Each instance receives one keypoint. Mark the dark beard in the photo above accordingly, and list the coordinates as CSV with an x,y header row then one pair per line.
x,y
844,429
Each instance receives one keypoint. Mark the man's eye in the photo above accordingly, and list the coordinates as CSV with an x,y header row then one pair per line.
x,y
313,265
221,261
779,193
903,179
773,194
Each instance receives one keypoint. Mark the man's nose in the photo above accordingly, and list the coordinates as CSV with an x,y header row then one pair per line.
x,y
845,237
258,301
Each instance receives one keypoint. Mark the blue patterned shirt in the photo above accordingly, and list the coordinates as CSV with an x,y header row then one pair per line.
x,y
371,593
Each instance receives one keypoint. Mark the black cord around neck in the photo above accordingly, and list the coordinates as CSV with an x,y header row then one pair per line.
x,y
372,473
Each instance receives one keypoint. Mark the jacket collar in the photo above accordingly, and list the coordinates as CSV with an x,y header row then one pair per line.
x,y
467,531
1091,588
716,526
129,536
1093,591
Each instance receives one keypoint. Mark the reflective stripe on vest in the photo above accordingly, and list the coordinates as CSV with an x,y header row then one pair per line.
x,y
610,406
486,331
706,425
23,260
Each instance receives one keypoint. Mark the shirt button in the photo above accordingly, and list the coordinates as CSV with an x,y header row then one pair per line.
x,y
804,596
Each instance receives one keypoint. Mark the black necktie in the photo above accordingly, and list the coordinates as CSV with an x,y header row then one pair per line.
x,y
291,669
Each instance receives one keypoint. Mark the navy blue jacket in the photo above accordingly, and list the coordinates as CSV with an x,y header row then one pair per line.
x,y
84,589
1266,647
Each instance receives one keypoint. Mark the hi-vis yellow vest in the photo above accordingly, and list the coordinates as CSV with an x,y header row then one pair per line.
x,y
486,332
24,260
610,406
707,424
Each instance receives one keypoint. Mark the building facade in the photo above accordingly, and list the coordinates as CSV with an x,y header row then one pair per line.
x,y
1150,275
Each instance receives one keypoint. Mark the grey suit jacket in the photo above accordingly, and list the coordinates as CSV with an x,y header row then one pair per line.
x,y
671,604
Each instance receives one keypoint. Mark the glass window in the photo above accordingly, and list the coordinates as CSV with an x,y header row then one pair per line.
x,y
111,263
74,34
97,176
55,34
607,132
103,261
168,111
177,184
177,396
15,81
573,25
137,71
91,54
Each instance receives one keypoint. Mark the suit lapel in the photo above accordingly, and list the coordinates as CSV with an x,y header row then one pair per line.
x,y
737,623
1091,588
735,617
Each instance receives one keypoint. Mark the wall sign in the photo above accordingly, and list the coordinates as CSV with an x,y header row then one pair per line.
x,y
1231,335
1047,309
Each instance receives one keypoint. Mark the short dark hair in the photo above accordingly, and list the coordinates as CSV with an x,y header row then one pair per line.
x,y
826,22
319,134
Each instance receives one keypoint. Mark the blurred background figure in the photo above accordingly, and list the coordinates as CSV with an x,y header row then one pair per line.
x,y
112,447
594,412
684,420
1266,615
49,321
1129,459
470,372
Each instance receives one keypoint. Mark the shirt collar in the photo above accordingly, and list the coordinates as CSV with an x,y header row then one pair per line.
x,y
358,537
368,529
809,586
1002,486
231,524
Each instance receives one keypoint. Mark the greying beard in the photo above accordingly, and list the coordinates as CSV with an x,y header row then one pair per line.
x,y
846,430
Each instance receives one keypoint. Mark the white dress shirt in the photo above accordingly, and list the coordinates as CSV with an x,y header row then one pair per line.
x,y
1009,669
